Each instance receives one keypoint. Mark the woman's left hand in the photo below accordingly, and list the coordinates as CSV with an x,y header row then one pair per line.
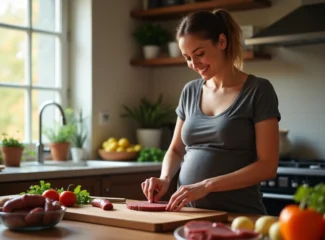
x,y
185,194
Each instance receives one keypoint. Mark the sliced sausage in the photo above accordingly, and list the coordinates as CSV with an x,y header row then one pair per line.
x,y
35,216
102,203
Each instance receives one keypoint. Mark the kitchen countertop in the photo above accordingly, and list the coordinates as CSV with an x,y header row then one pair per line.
x,y
51,169
72,230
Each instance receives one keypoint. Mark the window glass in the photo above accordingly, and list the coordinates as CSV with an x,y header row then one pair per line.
x,y
12,56
12,117
13,12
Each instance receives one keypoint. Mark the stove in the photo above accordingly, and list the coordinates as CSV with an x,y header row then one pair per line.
x,y
309,164
291,173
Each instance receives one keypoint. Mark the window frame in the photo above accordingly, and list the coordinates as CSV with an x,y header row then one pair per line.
x,y
62,34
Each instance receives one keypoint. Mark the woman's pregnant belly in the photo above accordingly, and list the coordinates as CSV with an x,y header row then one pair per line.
x,y
200,164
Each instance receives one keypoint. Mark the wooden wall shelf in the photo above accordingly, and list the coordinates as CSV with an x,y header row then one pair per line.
x,y
179,10
167,61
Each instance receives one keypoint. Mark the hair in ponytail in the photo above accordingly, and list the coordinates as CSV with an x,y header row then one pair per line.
x,y
209,25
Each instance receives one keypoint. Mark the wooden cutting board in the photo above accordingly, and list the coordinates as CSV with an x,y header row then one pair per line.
x,y
121,216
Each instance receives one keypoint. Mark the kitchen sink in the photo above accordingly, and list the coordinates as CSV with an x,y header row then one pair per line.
x,y
89,163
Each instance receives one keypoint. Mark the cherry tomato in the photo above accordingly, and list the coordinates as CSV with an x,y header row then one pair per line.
x,y
51,194
300,224
67,198
324,226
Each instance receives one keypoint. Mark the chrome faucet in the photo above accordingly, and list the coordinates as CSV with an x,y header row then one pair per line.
x,y
40,146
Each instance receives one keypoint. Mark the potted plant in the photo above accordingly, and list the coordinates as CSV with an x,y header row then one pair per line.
x,y
79,137
12,150
151,37
150,117
59,137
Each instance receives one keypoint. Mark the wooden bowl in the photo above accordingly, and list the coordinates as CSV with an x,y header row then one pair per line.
x,y
118,156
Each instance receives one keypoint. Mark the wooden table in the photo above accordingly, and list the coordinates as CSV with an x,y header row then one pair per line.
x,y
72,230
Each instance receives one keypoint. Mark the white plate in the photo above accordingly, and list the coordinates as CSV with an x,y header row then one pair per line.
x,y
179,234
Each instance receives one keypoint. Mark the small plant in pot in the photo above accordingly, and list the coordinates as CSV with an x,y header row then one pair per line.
x,y
150,117
151,37
12,150
79,137
59,137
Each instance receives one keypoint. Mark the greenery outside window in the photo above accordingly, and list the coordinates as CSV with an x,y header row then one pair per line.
x,y
33,48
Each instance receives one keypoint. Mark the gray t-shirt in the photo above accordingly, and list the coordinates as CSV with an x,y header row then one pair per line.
x,y
218,145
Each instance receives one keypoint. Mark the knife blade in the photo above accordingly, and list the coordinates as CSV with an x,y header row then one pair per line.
x,y
111,199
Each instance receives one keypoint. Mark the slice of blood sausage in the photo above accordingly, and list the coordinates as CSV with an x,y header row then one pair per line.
x,y
146,206
102,203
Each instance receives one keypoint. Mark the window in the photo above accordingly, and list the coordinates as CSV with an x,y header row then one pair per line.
x,y
33,47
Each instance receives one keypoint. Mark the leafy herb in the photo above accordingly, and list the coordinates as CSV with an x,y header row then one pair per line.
x,y
10,141
313,197
38,189
82,195
151,155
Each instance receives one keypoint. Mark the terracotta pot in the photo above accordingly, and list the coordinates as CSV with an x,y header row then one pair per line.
x,y
12,156
60,151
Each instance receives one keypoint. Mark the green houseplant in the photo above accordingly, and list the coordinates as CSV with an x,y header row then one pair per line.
x,y
12,150
150,117
59,137
79,137
151,37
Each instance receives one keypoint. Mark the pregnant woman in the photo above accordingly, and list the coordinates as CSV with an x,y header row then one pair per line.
x,y
226,137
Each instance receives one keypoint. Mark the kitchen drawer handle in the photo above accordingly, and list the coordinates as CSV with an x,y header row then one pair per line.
x,y
107,190
278,196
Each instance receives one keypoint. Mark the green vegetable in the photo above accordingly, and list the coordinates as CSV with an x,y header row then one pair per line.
x,y
313,197
38,189
151,155
83,197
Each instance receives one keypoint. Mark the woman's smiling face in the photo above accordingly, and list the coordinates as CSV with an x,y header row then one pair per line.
x,y
203,56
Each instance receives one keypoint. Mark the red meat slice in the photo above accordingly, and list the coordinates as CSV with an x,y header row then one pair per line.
x,y
204,230
196,230
146,206
220,231
246,234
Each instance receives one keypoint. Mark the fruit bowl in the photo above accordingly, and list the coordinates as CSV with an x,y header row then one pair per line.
x,y
20,221
118,156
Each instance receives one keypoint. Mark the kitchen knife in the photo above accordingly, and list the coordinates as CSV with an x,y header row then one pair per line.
x,y
111,199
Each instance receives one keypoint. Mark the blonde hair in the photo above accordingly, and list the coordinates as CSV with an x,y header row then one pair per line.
x,y
209,25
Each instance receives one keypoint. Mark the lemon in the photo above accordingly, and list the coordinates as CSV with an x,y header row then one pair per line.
x,y
242,223
111,147
137,148
111,139
263,224
123,142
105,144
274,231
120,149
130,149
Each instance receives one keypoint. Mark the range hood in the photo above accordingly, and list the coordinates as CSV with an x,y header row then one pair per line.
x,y
305,25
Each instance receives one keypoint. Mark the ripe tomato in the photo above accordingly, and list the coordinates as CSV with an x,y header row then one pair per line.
x,y
51,194
67,198
300,224
324,226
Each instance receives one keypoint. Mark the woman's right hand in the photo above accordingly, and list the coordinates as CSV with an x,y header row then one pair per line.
x,y
151,184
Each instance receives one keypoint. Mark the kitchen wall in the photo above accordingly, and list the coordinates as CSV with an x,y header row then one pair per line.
x,y
103,80
297,74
